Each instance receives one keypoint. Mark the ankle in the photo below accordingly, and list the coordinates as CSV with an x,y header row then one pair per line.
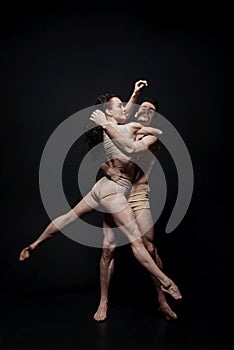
x,y
104,301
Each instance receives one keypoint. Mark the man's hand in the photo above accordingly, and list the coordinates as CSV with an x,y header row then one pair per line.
x,y
114,174
98,117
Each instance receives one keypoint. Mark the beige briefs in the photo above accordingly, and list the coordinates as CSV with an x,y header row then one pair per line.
x,y
105,187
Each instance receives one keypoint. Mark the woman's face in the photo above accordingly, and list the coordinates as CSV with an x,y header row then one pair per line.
x,y
117,110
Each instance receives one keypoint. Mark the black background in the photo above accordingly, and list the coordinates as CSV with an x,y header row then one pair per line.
x,y
55,60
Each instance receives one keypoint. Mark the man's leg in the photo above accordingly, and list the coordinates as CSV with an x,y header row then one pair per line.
x,y
146,226
106,268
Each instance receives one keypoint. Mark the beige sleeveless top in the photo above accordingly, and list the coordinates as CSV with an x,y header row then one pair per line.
x,y
111,151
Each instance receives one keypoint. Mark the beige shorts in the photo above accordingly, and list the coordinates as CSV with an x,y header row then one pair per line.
x,y
139,197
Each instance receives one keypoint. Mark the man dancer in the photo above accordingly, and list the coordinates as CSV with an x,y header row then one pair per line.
x,y
139,202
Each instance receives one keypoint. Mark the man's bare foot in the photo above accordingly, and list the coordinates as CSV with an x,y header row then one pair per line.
x,y
172,289
166,310
101,312
25,253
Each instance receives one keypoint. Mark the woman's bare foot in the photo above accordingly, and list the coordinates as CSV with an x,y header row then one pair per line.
x,y
101,312
166,310
25,253
172,289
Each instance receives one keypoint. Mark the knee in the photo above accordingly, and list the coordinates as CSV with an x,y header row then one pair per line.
x,y
69,217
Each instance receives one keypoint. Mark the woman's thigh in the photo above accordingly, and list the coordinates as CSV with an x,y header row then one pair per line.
x,y
122,214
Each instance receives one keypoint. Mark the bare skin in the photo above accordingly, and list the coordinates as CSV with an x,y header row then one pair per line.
x,y
123,218
143,216
145,116
25,253
107,267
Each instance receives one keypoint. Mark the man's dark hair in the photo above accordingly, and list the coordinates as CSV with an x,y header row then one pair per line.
x,y
153,101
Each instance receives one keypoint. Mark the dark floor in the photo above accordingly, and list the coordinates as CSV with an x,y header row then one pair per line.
x,y
48,301
64,321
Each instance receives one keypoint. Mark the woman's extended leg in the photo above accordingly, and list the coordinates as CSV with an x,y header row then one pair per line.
x,y
117,205
87,204
101,189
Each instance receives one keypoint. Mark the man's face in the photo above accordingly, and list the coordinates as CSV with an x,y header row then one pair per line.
x,y
117,110
145,113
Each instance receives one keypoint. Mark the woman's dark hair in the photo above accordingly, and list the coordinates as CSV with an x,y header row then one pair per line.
x,y
104,100
94,134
